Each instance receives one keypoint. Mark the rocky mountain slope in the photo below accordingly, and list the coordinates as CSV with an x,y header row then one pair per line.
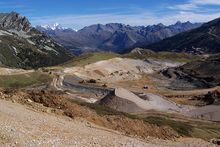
x,y
23,46
205,39
114,37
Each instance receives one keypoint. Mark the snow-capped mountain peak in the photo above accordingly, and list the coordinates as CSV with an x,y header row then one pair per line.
x,y
45,26
52,27
56,26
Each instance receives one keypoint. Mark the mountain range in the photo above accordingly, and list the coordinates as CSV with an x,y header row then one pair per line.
x,y
113,37
205,39
24,46
21,45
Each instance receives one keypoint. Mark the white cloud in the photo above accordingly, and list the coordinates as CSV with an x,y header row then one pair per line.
x,y
188,6
206,2
194,4
191,16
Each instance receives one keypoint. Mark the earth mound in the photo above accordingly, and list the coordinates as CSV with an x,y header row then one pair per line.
x,y
126,101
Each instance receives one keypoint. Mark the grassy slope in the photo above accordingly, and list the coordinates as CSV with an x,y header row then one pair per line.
x,y
178,57
7,56
18,52
23,80
89,58
204,130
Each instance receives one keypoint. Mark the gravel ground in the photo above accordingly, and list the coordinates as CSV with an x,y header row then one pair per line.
x,y
20,126
23,126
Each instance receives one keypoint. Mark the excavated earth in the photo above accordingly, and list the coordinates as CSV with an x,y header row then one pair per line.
x,y
35,125
118,69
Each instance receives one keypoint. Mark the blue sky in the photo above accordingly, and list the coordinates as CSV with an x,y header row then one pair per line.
x,y
79,13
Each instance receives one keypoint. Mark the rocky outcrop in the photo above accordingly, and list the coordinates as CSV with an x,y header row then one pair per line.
x,y
14,21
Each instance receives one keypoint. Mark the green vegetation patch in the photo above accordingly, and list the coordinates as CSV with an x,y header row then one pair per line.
x,y
206,131
24,80
103,110
182,128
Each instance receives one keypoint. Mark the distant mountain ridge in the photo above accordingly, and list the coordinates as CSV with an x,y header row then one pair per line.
x,y
114,37
23,46
205,39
